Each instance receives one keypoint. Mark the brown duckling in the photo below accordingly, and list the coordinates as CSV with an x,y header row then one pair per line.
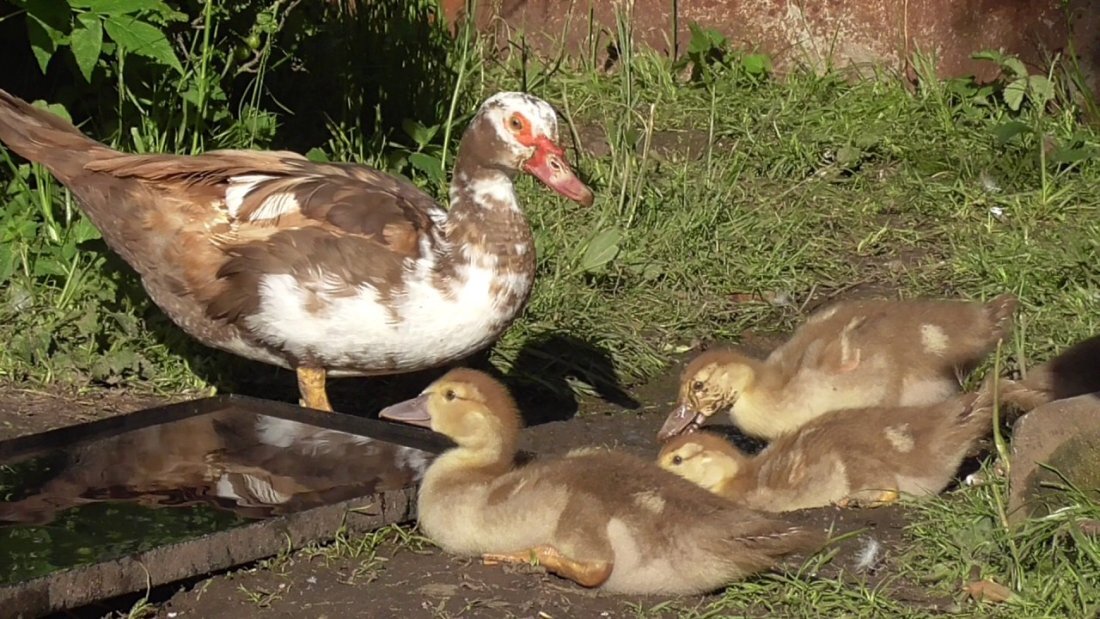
x,y
852,354
597,517
1072,372
865,456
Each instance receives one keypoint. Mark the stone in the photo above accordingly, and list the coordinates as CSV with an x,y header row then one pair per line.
x,y
1063,435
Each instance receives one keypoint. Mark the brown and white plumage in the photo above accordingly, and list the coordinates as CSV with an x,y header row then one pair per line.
x,y
849,355
868,455
599,517
318,267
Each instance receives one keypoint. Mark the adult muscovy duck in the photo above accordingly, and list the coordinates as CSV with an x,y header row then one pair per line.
x,y
327,269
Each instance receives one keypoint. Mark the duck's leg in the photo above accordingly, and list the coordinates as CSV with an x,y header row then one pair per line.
x,y
311,386
584,573
870,498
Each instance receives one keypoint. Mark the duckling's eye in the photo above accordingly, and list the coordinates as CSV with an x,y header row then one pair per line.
x,y
515,123
697,386
677,460
449,395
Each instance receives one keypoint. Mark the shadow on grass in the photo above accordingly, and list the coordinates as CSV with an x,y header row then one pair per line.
x,y
540,380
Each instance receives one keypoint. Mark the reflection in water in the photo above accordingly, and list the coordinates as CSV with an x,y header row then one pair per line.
x,y
104,498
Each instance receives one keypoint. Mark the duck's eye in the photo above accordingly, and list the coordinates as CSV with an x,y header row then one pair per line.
x,y
515,123
697,386
449,395
677,460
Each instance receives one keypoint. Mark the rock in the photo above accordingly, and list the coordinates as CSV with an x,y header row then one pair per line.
x,y
1064,435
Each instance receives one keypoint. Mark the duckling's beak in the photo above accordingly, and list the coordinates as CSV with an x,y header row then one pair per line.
x,y
414,412
548,164
682,419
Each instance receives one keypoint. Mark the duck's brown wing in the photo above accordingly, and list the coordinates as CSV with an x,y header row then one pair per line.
x,y
202,230
214,225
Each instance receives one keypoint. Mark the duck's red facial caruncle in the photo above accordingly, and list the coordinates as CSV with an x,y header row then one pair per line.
x,y
548,162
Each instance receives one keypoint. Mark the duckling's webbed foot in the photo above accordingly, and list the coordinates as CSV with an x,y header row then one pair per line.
x,y
311,385
584,573
869,499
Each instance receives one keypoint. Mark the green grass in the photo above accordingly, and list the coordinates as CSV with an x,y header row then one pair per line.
x,y
794,187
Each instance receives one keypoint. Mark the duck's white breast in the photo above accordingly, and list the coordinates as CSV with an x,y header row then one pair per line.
x,y
357,330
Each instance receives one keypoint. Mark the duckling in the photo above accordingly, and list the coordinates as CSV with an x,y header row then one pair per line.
x,y
850,355
866,456
1070,373
595,516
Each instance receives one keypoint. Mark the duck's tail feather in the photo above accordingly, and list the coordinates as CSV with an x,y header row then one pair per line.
x,y
43,137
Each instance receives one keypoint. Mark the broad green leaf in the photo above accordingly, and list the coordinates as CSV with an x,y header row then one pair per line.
x,y
42,44
317,155
48,22
427,164
1071,155
143,39
419,133
988,54
82,231
756,64
48,265
1042,90
191,95
119,7
1004,133
53,108
1015,65
699,42
86,43
1014,94
602,249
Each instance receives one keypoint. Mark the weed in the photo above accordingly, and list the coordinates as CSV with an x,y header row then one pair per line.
x,y
263,598
364,549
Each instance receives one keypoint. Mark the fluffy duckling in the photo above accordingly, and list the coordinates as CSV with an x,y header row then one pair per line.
x,y
850,355
1070,373
597,517
856,456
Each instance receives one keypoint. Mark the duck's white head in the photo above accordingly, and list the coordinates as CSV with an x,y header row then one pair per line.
x,y
515,131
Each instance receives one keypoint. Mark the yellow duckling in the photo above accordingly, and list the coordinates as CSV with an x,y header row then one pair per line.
x,y
854,456
597,517
850,355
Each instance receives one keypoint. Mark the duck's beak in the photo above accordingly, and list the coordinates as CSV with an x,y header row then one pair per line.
x,y
548,164
682,419
413,412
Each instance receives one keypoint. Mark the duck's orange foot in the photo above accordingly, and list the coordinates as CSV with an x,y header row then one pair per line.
x,y
311,385
881,498
584,573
